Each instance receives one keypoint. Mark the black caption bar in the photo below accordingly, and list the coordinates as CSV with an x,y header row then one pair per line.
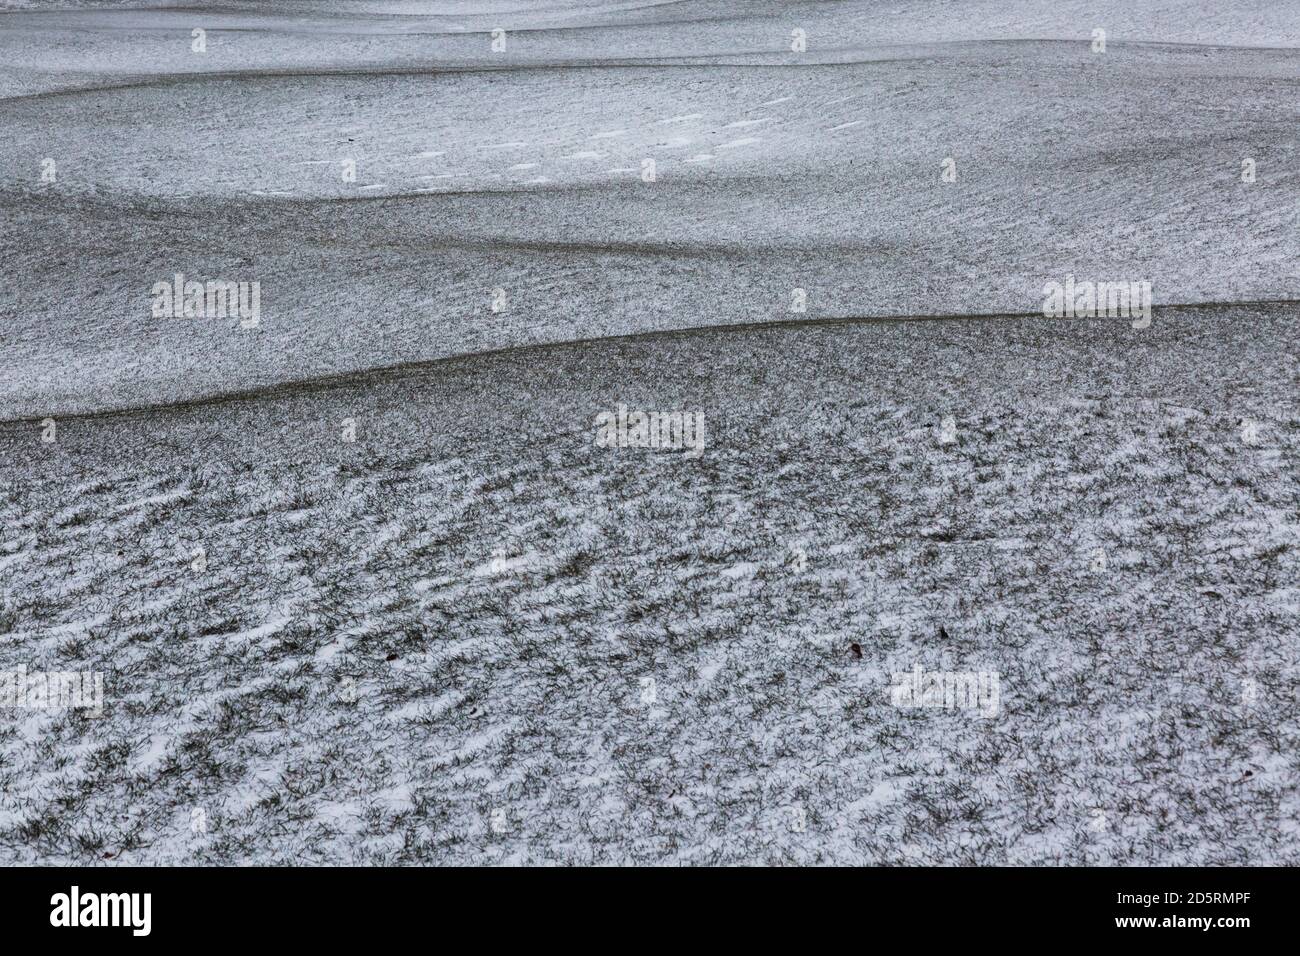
x,y
135,906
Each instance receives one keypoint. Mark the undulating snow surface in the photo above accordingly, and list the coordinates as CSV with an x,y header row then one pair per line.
x,y
523,170
358,592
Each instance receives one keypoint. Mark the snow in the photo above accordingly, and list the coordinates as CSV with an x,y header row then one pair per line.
x,y
471,635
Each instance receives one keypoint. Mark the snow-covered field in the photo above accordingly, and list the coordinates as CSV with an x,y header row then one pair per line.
x,y
521,170
362,586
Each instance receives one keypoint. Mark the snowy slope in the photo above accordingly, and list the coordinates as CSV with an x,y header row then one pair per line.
x,y
523,171
474,636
